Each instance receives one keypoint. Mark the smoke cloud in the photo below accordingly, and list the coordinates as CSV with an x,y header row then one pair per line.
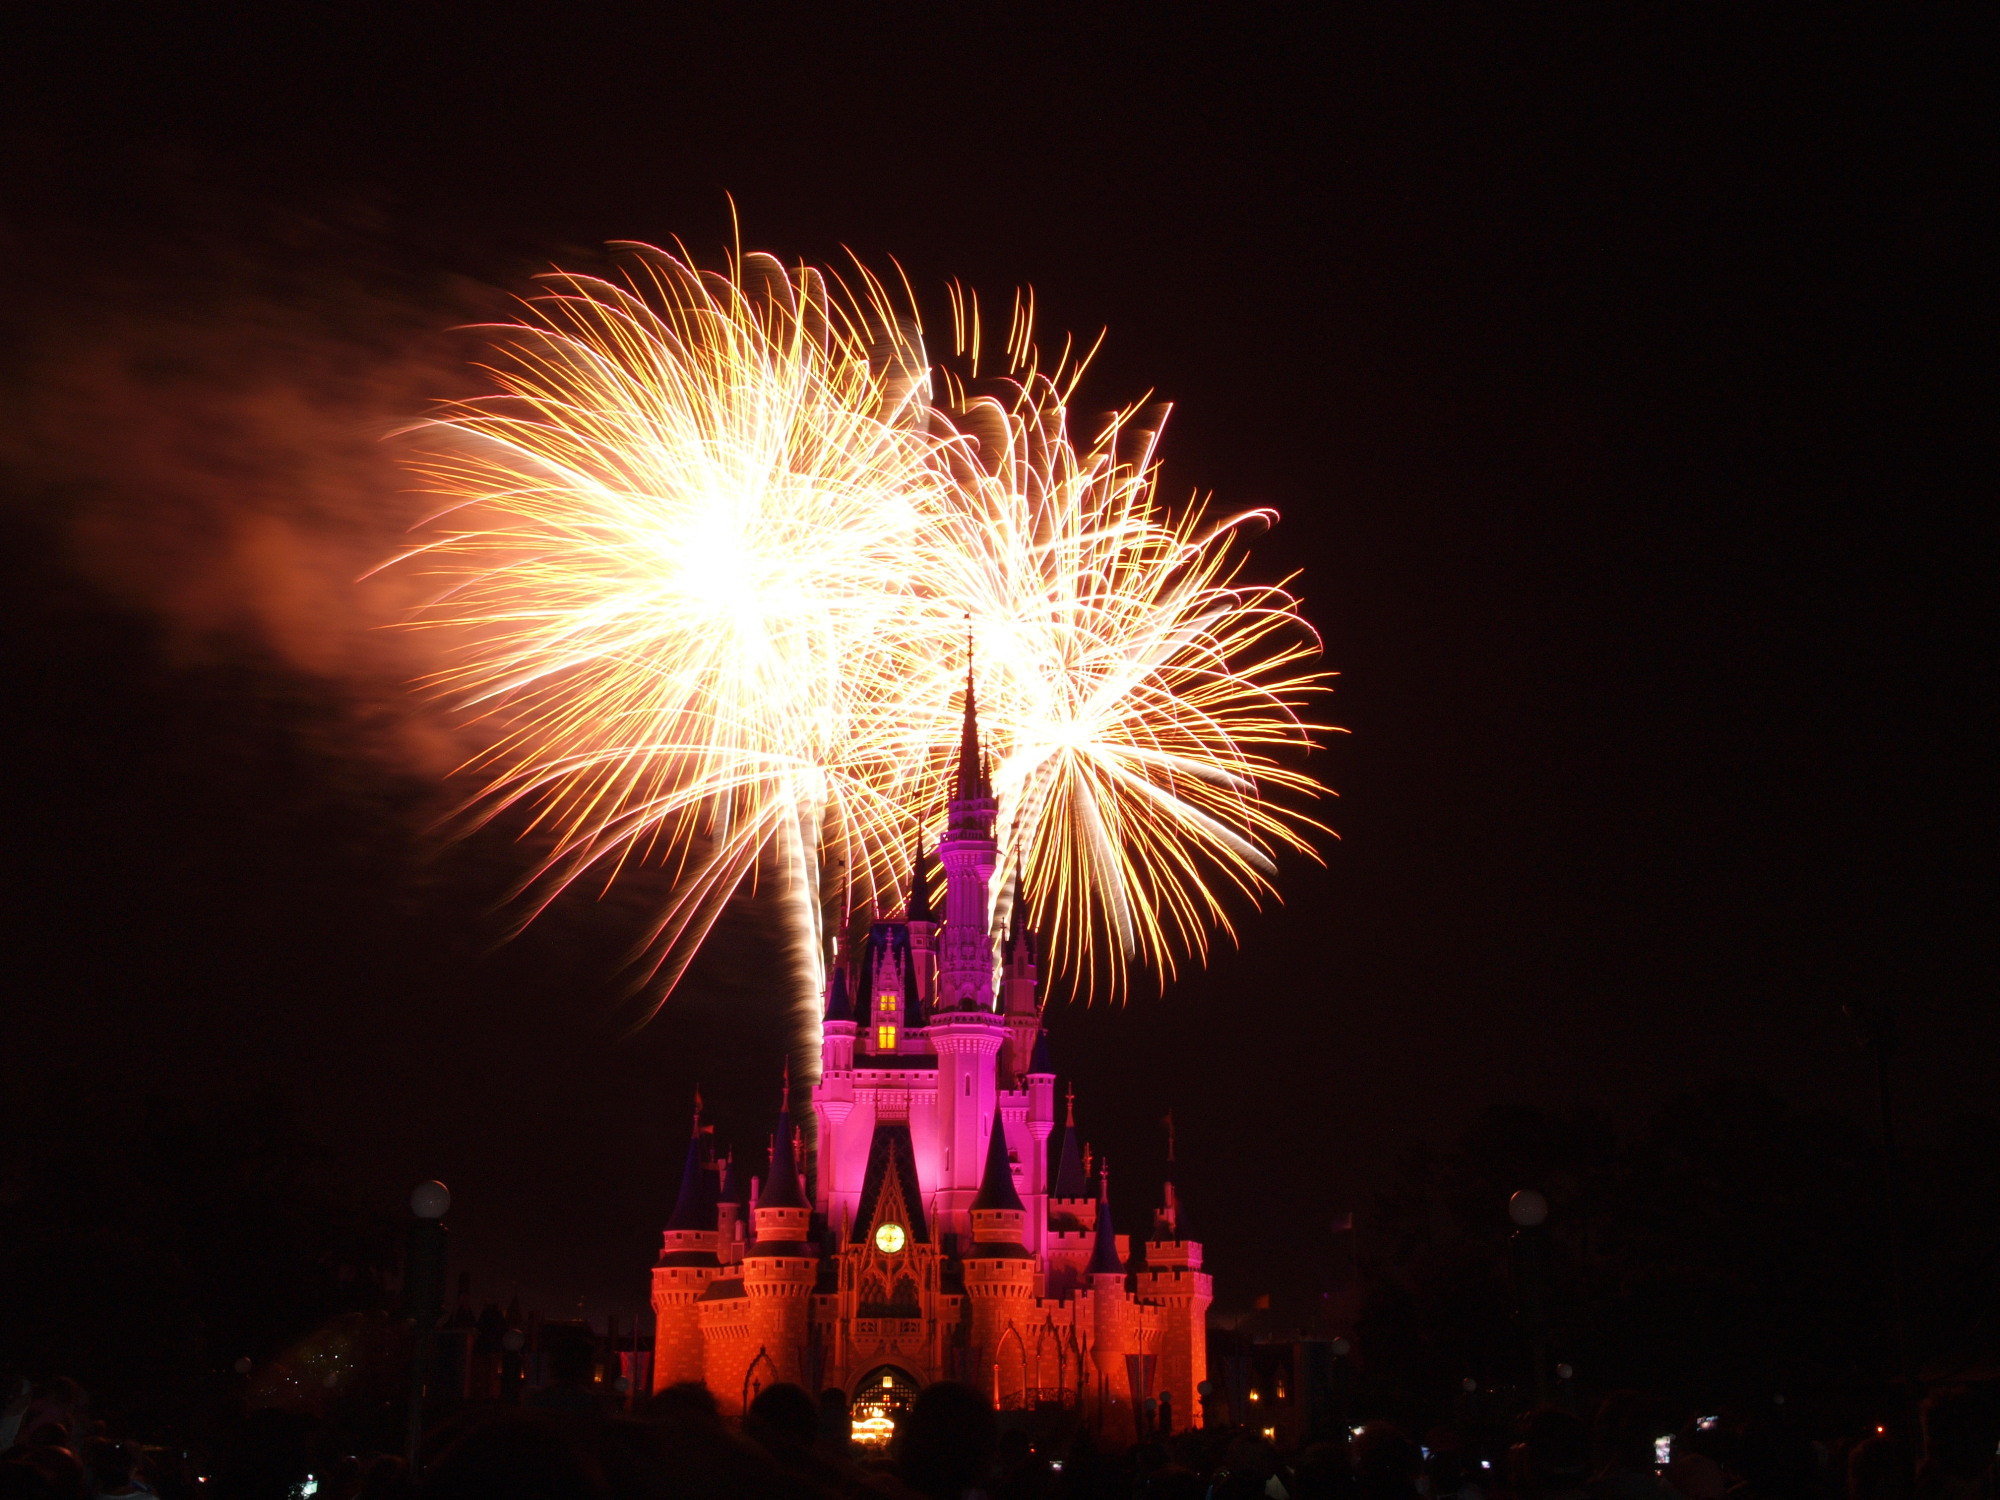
x,y
201,433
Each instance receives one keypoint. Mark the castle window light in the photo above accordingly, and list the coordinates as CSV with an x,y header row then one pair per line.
x,y
885,1038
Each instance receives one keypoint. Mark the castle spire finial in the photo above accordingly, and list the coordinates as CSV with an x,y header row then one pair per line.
x,y
917,908
972,779
1104,1259
1072,1178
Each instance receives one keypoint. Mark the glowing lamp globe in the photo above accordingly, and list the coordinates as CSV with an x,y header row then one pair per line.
x,y
1528,1208
430,1200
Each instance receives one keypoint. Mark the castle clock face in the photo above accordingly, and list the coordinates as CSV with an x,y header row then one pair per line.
x,y
889,1238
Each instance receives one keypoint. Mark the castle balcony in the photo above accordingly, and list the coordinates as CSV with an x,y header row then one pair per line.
x,y
896,1329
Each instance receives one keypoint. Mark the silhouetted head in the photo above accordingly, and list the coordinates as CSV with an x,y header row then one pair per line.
x,y
687,1405
112,1465
783,1416
836,1426
519,1458
1880,1469
1626,1426
947,1440
1385,1459
1553,1454
44,1474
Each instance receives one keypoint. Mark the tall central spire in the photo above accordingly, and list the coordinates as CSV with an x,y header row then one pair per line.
x,y
972,781
968,854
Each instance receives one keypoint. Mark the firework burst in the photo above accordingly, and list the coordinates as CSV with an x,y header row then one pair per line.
x,y
1143,700
705,555
674,545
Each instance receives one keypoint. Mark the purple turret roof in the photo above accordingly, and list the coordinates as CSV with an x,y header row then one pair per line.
x,y
1104,1259
838,1008
695,1207
996,1187
781,1183
1018,930
1070,1181
972,781
1041,1060
918,906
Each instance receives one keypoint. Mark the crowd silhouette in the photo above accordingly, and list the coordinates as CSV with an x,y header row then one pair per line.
x,y
569,1443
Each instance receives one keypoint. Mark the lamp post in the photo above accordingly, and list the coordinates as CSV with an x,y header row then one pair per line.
x,y
1529,1210
423,1297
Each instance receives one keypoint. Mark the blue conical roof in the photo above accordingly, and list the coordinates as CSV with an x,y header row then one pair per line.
x,y
1041,1061
1104,1259
918,906
837,1006
781,1184
996,1187
695,1207
1070,1181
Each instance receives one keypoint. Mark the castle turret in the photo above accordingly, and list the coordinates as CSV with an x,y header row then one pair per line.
x,y
689,1261
781,1264
1113,1312
1019,1001
1000,1275
968,853
964,1031
1173,1278
922,922
1040,1086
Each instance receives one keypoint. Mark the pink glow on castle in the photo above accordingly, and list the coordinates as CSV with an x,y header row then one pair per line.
x,y
935,1241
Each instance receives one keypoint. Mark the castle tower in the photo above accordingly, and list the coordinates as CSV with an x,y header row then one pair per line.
x,y
968,853
1173,1278
1112,1313
689,1262
1000,1278
1072,1212
779,1267
1019,976
964,1031
922,923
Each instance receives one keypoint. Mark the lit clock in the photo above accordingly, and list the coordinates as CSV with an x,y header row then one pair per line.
x,y
889,1238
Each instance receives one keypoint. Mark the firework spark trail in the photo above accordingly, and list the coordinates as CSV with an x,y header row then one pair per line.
x,y
673,543
1138,693
708,553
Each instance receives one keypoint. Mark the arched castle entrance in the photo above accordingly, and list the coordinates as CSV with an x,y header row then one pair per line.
x,y
879,1399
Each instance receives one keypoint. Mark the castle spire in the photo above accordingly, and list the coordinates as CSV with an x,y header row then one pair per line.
x,y
694,1207
972,778
1017,918
918,907
781,1184
996,1187
1104,1259
1070,1179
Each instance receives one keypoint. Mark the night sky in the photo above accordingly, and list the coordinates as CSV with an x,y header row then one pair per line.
x,y
1610,368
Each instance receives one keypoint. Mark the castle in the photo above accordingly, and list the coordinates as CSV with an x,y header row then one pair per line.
x,y
930,1238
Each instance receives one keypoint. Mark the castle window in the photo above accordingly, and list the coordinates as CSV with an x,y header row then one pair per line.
x,y
885,1039
886,1003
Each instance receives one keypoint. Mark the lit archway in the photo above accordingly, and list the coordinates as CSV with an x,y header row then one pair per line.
x,y
881,1398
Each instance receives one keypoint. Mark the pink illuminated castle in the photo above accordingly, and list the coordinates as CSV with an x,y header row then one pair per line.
x,y
930,1237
